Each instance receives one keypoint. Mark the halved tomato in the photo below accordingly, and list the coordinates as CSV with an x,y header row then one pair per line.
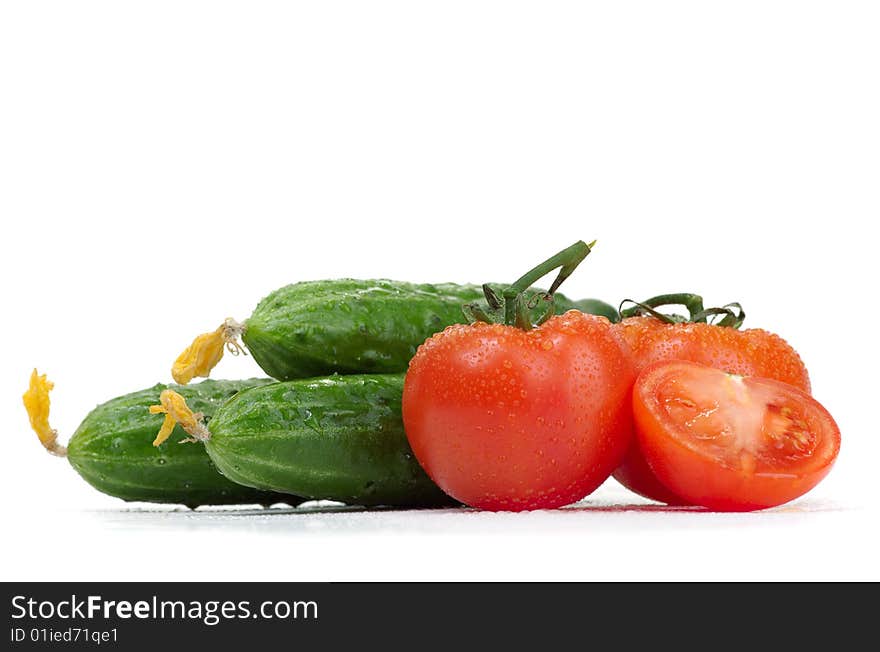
x,y
731,443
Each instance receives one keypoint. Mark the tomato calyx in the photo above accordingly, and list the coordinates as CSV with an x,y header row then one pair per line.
x,y
731,315
514,306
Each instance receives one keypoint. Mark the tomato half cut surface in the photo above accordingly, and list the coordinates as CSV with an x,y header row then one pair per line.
x,y
731,443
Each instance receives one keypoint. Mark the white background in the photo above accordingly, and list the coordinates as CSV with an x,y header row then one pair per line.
x,y
164,165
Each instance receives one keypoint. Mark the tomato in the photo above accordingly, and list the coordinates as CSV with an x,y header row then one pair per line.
x,y
635,474
750,352
731,443
509,419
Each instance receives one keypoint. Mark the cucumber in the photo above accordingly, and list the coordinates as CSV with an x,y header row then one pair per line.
x,y
111,450
351,326
336,438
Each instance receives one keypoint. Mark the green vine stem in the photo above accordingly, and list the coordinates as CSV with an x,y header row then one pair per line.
x,y
512,307
733,313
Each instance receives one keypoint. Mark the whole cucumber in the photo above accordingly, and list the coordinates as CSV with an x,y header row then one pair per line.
x,y
336,438
111,450
347,326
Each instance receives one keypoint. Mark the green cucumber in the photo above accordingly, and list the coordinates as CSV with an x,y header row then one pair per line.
x,y
112,451
350,326
336,438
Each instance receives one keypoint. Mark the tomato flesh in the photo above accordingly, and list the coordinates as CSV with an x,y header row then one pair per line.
x,y
731,443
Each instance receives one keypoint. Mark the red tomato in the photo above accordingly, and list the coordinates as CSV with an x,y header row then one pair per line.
x,y
749,352
731,443
507,419
635,474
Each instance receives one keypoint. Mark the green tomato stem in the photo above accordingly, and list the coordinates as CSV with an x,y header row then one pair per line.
x,y
516,312
693,303
568,259
734,315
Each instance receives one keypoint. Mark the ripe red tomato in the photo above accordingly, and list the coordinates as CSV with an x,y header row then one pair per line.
x,y
508,419
751,352
731,443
